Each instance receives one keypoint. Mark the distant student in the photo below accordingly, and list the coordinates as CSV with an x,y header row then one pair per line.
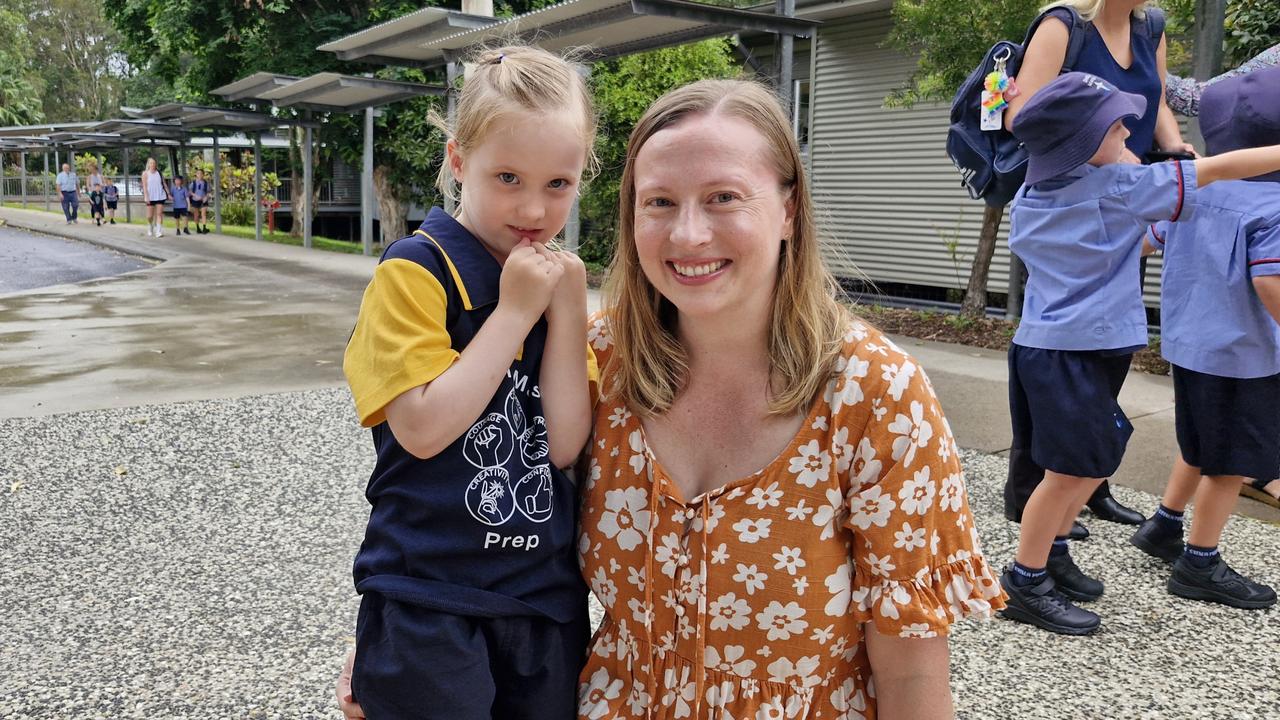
x,y
181,206
200,202
111,194
1219,309
95,204
1077,223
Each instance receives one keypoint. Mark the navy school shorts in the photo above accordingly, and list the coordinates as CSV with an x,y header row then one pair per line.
x,y
415,662
1064,408
1228,426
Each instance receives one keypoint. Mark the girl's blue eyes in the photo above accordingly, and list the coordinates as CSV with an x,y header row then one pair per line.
x,y
507,178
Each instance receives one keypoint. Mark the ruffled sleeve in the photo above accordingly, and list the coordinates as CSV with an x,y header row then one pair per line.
x,y
917,562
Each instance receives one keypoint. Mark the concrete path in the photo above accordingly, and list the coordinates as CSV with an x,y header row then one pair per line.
x,y
192,559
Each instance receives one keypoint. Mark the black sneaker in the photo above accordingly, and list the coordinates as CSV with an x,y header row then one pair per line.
x,y
1071,580
186,230
1043,606
113,221
1155,541
1219,583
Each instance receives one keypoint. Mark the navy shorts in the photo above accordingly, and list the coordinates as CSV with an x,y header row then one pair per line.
x,y
1064,408
1228,426
415,662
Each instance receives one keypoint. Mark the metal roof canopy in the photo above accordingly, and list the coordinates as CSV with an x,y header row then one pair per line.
x,y
250,87
401,39
604,28
38,130
200,116
332,92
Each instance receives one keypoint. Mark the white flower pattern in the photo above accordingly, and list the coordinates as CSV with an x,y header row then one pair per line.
x,y
863,517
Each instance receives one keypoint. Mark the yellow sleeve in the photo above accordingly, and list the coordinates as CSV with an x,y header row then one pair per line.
x,y
400,340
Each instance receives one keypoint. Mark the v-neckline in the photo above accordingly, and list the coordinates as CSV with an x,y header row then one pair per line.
x,y
675,493
1133,57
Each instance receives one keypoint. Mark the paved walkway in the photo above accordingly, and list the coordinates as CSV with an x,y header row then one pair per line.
x,y
192,559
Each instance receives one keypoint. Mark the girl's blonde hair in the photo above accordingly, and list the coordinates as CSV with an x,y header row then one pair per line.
x,y
1089,9
514,78
649,367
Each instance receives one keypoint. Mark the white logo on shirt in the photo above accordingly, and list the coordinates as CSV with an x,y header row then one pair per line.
x,y
491,497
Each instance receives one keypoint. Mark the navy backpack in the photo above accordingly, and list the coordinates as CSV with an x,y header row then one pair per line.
x,y
992,163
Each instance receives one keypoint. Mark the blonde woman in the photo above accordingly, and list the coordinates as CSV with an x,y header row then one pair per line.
x,y
774,512
155,192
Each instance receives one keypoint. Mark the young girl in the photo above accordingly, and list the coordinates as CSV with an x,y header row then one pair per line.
x,y
155,192
1077,223
469,362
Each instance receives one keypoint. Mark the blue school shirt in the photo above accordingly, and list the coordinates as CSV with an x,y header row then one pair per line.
x,y
1211,320
199,188
487,526
179,197
1080,236
1142,77
111,192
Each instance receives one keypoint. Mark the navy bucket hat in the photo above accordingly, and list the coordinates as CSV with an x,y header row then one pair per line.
x,y
1065,122
1242,112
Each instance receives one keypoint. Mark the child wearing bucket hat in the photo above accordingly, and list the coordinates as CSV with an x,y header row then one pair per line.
x,y
1219,306
1078,224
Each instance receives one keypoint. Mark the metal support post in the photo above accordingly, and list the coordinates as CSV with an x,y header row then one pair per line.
x,y
307,192
23,175
128,211
785,51
46,181
257,186
366,186
217,186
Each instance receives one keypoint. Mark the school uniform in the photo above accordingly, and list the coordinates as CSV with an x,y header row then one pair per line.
x,y
111,194
180,195
1079,234
199,193
473,605
1223,344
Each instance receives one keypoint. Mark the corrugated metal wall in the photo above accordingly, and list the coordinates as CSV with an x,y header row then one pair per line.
x,y
889,196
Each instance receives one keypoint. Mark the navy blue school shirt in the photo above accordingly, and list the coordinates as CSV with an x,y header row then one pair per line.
x,y
1211,319
485,527
1080,236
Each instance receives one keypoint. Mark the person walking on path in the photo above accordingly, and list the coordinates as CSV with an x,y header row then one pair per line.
x,y
95,179
155,192
200,202
111,195
69,186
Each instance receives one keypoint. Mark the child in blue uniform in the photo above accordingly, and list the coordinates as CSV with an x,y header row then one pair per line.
x,y
1077,224
1220,305
181,196
469,362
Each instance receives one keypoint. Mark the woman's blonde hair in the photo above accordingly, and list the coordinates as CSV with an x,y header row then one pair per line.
x,y
1089,9
508,79
649,367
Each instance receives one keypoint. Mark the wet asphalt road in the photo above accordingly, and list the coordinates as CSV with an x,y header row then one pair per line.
x,y
29,260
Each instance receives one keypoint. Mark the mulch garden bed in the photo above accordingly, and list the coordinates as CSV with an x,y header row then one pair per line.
x,y
990,333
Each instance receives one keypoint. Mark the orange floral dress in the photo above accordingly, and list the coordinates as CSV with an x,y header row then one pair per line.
x,y
748,601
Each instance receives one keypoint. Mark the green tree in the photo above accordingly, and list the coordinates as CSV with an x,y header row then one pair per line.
x,y
76,51
20,82
1252,26
623,89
